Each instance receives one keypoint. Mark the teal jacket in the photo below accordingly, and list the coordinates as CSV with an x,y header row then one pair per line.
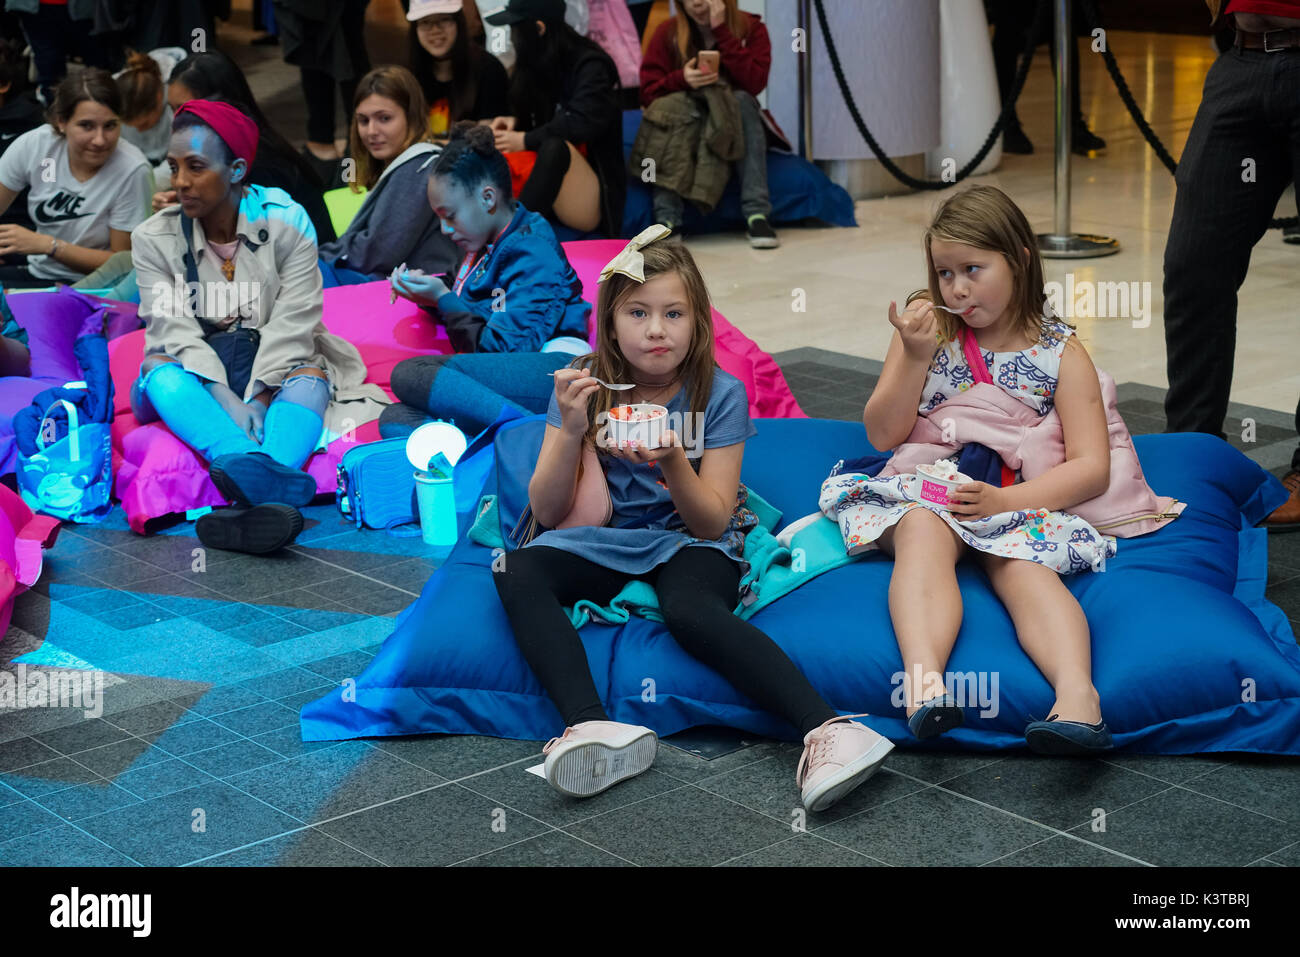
x,y
775,570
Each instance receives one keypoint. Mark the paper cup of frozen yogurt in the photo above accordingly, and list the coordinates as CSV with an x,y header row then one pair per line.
x,y
642,423
935,482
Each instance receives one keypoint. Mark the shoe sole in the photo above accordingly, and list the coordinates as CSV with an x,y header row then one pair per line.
x,y
1043,741
938,721
765,243
838,786
258,530
593,766
298,490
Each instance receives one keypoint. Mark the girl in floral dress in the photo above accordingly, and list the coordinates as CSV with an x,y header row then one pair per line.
x,y
984,268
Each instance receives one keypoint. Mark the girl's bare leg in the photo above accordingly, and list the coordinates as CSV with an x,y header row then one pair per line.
x,y
578,203
1053,631
924,600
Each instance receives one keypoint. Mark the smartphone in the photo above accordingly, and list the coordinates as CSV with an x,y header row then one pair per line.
x,y
708,61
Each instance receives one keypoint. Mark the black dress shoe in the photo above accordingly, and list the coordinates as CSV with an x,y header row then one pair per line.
x,y
1085,141
258,530
1014,140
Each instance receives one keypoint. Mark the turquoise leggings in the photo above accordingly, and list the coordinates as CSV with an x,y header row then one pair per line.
x,y
179,399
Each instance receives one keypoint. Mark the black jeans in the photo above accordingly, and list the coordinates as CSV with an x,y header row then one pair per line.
x,y
697,590
18,276
54,37
1243,149
318,85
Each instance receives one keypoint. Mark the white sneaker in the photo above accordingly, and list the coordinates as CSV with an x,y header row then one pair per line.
x,y
594,755
837,757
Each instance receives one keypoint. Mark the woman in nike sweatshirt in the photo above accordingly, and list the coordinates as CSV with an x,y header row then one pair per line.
x,y
87,189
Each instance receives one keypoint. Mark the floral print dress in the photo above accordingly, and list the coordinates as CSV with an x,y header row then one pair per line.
x,y
866,506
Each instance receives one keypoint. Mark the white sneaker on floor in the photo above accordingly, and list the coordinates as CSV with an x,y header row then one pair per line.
x,y
838,755
594,755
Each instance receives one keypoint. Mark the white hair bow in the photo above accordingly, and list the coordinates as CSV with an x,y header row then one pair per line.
x,y
630,262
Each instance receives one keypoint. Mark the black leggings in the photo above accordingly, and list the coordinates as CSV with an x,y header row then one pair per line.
x,y
538,194
697,590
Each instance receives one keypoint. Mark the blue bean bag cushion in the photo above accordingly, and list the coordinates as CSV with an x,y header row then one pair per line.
x,y
1187,654
798,191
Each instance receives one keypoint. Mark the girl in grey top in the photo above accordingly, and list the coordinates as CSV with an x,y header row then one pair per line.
x,y
391,159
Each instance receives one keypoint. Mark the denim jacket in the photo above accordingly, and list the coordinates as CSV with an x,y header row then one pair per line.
x,y
520,294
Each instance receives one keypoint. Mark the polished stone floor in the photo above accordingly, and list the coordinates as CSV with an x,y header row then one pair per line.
x,y
207,670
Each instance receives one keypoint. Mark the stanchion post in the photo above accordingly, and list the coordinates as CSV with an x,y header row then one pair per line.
x,y
1062,244
805,79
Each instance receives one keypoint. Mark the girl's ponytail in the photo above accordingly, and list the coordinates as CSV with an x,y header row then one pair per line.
x,y
140,86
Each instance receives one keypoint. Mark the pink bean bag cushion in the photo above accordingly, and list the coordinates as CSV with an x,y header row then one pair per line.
x,y
22,536
769,395
157,474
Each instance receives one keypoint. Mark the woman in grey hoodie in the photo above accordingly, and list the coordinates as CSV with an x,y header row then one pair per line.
x,y
391,156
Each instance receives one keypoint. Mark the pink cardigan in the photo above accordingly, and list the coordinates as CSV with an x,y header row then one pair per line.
x,y
1033,444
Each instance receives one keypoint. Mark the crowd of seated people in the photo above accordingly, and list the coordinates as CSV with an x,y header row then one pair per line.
x,y
462,162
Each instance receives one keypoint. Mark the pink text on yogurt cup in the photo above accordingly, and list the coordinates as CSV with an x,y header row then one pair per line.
x,y
938,481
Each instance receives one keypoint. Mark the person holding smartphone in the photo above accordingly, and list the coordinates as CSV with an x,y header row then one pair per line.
x,y
710,42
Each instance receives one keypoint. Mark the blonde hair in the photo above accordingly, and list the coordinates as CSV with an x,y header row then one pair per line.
x,y
609,363
986,218
688,34
398,84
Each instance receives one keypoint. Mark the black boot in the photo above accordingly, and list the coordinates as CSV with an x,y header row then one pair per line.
x,y
1085,141
258,530
1014,140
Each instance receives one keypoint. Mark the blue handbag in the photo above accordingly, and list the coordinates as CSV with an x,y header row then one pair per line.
x,y
70,478
376,485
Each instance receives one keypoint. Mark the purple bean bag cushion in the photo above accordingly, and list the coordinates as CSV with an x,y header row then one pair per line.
x,y
53,321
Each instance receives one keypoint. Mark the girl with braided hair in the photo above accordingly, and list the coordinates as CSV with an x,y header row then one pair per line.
x,y
515,293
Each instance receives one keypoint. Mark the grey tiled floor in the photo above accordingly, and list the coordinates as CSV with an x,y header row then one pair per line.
x,y
209,662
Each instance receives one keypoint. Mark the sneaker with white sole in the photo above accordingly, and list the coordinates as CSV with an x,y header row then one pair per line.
x,y
838,755
594,755
761,234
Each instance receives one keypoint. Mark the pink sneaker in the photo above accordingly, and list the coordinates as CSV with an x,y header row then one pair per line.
x,y
837,757
594,755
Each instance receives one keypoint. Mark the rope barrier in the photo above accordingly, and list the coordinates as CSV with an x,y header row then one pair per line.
x,y
1112,68
1007,108
1125,94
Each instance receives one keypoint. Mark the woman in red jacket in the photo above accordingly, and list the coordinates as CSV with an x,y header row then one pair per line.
x,y
671,64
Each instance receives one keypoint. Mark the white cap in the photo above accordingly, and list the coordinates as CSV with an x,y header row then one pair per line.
x,y
427,8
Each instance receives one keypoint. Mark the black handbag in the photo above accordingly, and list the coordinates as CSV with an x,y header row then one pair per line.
x,y
235,346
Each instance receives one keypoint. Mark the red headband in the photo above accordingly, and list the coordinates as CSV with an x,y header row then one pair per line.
x,y
235,129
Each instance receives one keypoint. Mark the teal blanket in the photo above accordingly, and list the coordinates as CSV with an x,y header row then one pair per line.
x,y
774,569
